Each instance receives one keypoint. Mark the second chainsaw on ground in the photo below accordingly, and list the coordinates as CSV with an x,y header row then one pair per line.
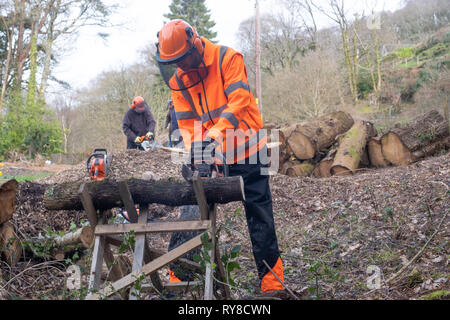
x,y
98,164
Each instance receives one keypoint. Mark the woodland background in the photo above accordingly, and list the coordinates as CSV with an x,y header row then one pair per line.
x,y
386,75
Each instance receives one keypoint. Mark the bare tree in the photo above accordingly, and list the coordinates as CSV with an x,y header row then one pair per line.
x,y
337,13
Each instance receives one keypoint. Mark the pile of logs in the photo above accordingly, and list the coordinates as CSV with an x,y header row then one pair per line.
x,y
336,144
11,248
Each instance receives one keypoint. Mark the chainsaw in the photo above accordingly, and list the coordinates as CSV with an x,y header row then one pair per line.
x,y
148,144
98,164
206,170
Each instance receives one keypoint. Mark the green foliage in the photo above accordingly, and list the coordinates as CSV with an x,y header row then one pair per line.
x,y
28,177
364,85
196,14
30,129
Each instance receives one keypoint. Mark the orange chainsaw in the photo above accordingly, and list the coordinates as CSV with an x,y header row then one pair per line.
x,y
98,164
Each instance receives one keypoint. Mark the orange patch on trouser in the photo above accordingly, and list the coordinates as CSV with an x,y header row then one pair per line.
x,y
172,277
270,282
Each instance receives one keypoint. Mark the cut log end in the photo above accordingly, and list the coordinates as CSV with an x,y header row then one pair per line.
x,y
376,156
394,150
301,146
341,171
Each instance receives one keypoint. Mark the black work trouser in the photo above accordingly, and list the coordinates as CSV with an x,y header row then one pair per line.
x,y
259,214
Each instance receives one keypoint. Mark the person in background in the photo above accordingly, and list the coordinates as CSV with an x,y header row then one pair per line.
x,y
171,123
137,122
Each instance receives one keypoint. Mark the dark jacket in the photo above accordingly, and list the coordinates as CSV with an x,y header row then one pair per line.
x,y
137,125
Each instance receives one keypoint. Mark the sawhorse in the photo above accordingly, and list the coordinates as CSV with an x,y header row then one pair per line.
x,y
145,260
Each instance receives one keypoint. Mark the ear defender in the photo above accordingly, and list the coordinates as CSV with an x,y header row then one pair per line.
x,y
196,41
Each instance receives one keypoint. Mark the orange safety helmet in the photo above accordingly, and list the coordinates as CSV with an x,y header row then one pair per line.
x,y
179,45
176,40
138,104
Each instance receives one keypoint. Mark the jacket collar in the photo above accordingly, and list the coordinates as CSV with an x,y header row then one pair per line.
x,y
208,55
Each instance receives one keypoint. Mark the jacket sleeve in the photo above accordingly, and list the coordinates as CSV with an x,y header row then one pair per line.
x,y
238,93
151,123
126,127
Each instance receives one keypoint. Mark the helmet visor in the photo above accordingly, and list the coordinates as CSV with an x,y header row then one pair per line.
x,y
184,73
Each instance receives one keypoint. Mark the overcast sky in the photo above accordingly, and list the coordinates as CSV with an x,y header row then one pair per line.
x,y
140,21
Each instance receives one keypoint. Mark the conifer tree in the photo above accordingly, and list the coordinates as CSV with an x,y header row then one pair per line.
x,y
196,14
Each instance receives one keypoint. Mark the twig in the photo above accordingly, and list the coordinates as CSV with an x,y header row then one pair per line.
x,y
27,269
418,253
282,283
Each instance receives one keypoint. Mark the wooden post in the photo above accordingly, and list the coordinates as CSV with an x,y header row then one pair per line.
x,y
139,249
128,201
88,206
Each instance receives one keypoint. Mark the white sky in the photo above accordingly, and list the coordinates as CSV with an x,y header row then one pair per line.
x,y
142,19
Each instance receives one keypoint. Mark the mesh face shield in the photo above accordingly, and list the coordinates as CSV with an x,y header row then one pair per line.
x,y
140,107
184,72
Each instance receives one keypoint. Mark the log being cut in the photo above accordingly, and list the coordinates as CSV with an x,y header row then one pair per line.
x,y
171,192
351,148
318,134
401,142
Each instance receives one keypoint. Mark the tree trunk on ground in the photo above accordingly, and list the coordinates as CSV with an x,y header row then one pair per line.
x,y
10,244
351,148
84,235
300,170
399,144
8,190
285,150
318,134
323,169
375,154
289,164
105,194
431,149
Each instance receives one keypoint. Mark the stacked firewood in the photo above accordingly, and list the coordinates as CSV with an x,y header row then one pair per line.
x,y
336,144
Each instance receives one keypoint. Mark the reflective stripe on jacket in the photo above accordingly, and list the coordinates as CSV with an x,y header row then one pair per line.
x,y
229,107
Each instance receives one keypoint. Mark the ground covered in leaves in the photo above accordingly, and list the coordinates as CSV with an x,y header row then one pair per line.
x,y
336,234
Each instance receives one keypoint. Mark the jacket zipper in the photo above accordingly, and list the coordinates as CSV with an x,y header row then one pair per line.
x,y
201,106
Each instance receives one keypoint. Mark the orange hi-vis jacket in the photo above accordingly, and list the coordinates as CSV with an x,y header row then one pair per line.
x,y
229,106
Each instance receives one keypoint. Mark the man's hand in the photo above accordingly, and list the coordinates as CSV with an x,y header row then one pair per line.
x,y
150,136
137,140
203,150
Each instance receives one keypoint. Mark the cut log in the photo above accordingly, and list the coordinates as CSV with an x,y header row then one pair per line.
x,y
352,147
289,164
8,190
285,149
10,245
300,170
376,156
323,169
84,236
432,149
400,142
105,194
318,134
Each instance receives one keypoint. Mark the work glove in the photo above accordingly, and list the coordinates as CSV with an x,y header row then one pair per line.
x,y
137,140
203,151
150,136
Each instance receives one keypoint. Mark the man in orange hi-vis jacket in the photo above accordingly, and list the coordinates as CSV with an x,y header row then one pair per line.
x,y
216,111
